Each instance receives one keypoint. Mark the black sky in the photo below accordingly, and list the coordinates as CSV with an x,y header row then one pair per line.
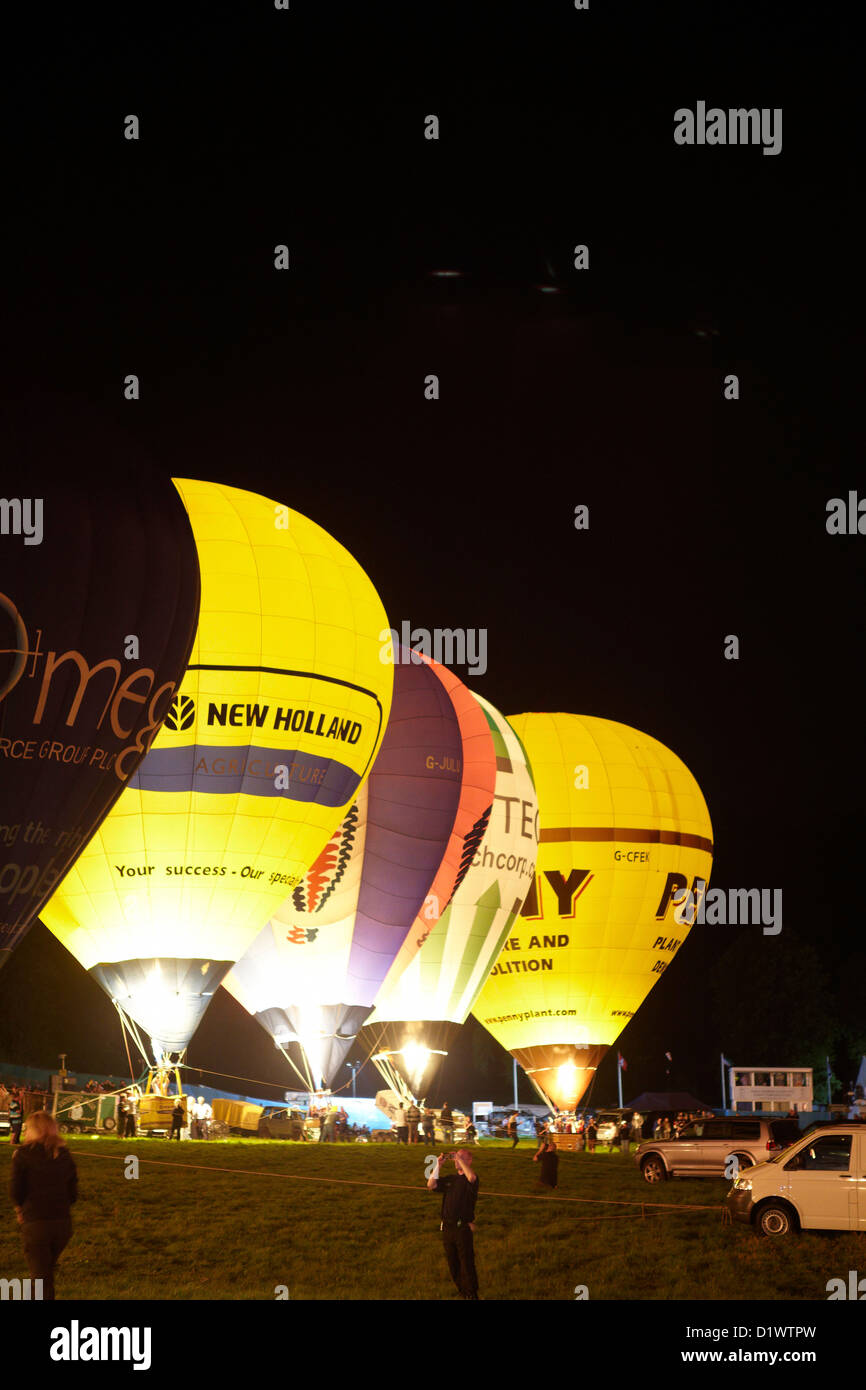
x,y
707,517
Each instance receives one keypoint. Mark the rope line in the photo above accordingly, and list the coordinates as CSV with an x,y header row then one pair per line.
x,y
396,1186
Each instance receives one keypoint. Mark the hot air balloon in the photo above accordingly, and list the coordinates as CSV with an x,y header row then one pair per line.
x,y
625,850
276,725
378,889
416,1020
97,618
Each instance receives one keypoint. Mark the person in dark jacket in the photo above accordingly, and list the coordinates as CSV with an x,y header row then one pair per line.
x,y
43,1188
129,1125
548,1157
16,1115
459,1192
178,1120
446,1121
512,1129
625,1137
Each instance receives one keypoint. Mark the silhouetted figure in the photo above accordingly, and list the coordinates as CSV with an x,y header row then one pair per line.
x,y
43,1187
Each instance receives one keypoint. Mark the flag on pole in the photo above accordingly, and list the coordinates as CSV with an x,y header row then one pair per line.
x,y
669,1057
622,1062
726,1062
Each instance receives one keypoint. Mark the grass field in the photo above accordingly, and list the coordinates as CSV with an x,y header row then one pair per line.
x,y
195,1232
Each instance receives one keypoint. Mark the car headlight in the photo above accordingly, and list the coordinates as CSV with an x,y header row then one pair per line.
x,y
743,1184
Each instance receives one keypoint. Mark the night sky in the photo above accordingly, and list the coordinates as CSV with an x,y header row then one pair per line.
x,y
707,516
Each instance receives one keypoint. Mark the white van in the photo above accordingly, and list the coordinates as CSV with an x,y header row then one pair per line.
x,y
818,1183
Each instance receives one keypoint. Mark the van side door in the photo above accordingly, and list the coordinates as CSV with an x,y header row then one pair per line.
x,y
823,1182
858,1170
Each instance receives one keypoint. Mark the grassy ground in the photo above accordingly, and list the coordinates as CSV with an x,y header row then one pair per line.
x,y
195,1232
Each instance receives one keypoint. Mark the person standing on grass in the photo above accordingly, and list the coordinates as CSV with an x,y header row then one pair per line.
x,y
16,1115
430,1125
625,1136
591,1136
459,1193
446,1120
43,1188
413,1116
548,1157
402,1126
178,1120
512,1130
131,1112
329,1131
472,1133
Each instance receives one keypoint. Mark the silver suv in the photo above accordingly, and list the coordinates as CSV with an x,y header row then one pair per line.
x,y
703,1147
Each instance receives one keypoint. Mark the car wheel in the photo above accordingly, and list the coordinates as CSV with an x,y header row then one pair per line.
x,y
745,1160
109,1123
653,1169
775,1220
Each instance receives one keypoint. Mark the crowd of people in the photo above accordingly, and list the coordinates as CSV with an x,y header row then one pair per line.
x,y
412,1125
667,1127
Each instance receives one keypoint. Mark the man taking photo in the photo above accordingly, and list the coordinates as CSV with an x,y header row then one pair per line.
x,y
459,1192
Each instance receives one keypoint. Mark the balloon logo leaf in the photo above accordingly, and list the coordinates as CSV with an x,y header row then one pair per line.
x,y
181,715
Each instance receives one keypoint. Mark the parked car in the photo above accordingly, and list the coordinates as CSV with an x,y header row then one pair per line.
x,y
703,1147
818,1183
281,1123
497,1123
607,1124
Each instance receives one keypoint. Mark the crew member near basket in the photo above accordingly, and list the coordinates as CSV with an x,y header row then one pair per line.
x,y
459,1192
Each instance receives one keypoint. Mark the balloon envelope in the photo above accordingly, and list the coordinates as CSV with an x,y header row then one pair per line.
x,y
97,619
277,723
416,1020
624,836
377,891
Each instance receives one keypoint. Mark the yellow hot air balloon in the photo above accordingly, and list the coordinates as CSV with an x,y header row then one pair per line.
x,y
275,727
624,856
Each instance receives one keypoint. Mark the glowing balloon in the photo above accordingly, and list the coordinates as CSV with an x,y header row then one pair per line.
x,y
377,891
414,1023
276,725
625,838
97,618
